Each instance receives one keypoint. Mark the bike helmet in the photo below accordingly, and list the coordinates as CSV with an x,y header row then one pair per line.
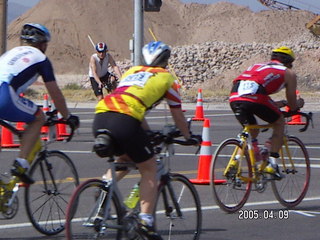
x,y
101,47
156,54
283,54
34,32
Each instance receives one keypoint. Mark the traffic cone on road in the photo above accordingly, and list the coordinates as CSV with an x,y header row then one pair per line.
x,y
20,125
205,157
199,115
45,108
295,119
61,129
7,139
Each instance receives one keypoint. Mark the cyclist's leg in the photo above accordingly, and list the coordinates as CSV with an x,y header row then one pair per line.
x,y
120,173
22,110
244,112
148,185
271,114
95,87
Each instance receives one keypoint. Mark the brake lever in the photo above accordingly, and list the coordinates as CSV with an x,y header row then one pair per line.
x,y
198,150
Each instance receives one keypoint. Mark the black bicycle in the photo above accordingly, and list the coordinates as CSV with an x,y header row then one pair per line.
x,y
97,210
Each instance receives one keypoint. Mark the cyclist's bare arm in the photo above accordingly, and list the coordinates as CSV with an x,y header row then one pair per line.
x,y
116,69
180,121
291,87
94,71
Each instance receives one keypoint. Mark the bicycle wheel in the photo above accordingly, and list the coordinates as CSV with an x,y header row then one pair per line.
x,y
230,191
291,190
46,200
178,210
85,213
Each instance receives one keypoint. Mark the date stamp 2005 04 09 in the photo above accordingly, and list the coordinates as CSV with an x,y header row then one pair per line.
x,y
255,214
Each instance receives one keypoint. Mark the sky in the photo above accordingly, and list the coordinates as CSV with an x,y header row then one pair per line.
x,y
254,5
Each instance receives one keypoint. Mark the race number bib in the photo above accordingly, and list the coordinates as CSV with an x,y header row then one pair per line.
x,y
247,87
138,79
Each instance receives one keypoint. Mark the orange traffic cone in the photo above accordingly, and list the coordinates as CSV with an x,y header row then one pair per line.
x,y
7,139
45,108
61,129
199,116
205,156
295,119
20,126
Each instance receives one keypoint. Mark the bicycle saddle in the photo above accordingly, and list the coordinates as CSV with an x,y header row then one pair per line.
x,y
104,145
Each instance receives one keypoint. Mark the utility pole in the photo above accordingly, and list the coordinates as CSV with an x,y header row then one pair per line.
x,y
3,25
138,32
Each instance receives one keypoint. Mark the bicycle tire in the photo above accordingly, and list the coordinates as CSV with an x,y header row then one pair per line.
x,y
168,224
84,221
230,193
55,179
291,189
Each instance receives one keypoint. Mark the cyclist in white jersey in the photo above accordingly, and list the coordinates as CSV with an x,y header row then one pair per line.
x,y
98,71
20,67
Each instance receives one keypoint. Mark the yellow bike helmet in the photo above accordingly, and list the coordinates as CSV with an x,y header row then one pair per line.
x,y
283,54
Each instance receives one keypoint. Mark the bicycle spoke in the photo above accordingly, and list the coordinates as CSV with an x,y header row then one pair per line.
x,y
229,191
291,190
86,219
46,199
178,212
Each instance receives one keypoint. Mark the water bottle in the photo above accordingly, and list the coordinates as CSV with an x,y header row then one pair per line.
x,y
133,197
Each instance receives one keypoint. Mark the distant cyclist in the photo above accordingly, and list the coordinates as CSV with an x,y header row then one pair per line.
x,y
98,70
20,67
122,114
250,97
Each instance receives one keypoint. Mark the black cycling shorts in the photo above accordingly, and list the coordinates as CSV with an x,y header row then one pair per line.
x,y
130,137
246,111
95,87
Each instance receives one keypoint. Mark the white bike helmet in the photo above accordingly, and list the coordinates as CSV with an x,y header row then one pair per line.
x,y
156,54
34,32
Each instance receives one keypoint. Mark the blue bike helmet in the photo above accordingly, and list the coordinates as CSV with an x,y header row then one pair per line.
x,y
34,32
101,47
156,54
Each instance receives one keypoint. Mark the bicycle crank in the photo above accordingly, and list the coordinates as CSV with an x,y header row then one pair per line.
x,y
9,204
261,184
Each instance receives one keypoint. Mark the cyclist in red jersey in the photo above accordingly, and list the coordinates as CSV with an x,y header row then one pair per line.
x,y
249,98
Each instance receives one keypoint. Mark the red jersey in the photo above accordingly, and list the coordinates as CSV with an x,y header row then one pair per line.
x,y
259,81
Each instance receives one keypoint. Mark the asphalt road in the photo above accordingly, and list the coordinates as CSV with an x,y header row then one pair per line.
x,y
300,223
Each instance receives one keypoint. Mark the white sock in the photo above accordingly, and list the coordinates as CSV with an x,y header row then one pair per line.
x,y
24,163
148,218
273,160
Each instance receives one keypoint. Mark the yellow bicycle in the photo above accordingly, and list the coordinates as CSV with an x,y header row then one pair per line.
x,y
231,181
55,178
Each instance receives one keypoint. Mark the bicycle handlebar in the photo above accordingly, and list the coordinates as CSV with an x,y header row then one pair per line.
x,y
53,120
307,116
158,137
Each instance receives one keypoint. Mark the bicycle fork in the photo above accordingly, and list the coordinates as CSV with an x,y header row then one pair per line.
x,y
9,199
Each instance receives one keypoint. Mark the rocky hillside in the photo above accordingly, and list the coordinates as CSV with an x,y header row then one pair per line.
x,y
211,43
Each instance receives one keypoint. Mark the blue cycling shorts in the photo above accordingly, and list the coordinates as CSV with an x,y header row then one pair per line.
x,y
15,108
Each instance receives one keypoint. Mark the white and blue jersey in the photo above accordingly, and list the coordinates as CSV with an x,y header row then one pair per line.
x,y
19,68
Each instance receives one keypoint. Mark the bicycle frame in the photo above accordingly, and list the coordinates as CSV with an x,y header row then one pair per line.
x,y
108,210
234,169
245,139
